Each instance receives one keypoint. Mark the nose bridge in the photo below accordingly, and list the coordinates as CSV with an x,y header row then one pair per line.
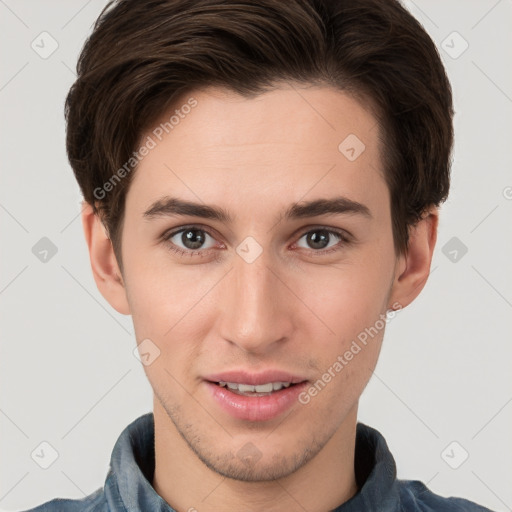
x,y
255,315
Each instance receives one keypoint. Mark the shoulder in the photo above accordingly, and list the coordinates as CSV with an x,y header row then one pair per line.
x,y
95,502
415,496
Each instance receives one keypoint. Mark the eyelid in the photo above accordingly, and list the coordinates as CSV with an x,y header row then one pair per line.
x,y
174,231
320,227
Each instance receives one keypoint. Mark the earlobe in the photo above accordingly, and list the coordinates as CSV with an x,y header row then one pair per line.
x,y
104,264
413,268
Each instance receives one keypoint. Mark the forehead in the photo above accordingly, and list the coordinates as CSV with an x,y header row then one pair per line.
x,y
290,141
288,114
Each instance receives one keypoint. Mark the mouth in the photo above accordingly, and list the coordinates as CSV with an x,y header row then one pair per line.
x,y
255,397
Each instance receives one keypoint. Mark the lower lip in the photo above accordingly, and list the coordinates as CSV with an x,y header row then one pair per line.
x,y
256,408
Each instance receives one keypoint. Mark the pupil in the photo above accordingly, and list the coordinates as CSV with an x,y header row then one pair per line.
x,y
192,239
318,239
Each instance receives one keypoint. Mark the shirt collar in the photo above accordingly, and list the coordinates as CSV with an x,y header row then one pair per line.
x,y
128,486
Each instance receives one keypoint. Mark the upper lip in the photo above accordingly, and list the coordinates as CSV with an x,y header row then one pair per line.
x,y
255,379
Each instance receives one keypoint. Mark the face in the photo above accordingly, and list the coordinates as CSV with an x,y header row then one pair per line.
x,y
280,264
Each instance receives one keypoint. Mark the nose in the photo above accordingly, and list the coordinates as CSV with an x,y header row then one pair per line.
x,y
257,307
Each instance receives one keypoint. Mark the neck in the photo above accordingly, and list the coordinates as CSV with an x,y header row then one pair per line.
x,y
183,481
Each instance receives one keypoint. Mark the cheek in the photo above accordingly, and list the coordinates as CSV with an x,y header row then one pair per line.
x,y
348,298
173,308
351,302
161,295
352,305
163,312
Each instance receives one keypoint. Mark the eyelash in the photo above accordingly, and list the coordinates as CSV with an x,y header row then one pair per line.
x,y
343,236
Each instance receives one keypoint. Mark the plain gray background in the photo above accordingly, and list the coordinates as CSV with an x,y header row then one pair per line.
x,y
68,374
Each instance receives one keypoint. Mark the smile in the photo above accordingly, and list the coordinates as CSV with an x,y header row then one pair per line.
x,y
254,390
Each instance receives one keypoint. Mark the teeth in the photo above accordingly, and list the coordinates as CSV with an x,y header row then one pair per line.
x,y
245,388
260,388
263,388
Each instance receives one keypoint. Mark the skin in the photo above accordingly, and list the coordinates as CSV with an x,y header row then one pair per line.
x,y
290,309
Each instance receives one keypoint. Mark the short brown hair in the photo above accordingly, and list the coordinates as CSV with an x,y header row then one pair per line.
x,y
142,55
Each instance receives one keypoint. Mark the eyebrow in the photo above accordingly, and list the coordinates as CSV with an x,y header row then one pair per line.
x,y
172,206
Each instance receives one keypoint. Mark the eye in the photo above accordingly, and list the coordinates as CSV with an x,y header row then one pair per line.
x,y
194,240
323,240
189,240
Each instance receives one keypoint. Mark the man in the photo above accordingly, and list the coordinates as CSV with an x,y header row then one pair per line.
x,y
261,185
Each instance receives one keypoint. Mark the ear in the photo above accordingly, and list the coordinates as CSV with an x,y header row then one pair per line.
x,y
104,264
413,268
